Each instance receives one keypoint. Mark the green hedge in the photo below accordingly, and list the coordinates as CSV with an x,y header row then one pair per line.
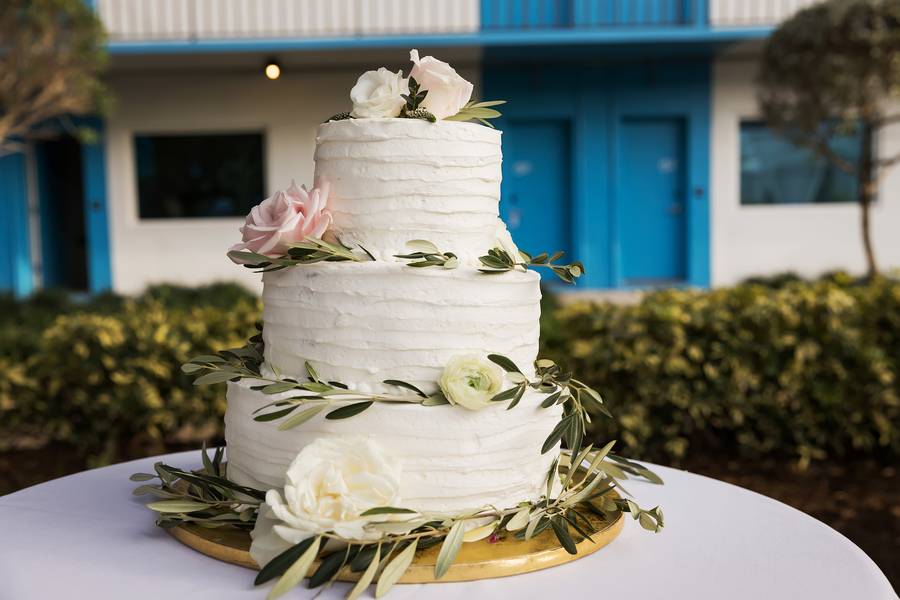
x,y
800,370
105,375
807,370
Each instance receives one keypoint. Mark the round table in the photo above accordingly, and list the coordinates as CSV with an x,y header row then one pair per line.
x,y
86,536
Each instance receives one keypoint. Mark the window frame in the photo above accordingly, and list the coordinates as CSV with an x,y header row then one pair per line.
x,y
756,120
211,220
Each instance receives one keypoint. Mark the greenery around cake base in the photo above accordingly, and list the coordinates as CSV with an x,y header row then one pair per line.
x,y
207,498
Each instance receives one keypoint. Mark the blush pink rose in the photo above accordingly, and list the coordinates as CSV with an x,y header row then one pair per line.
x,y
288,216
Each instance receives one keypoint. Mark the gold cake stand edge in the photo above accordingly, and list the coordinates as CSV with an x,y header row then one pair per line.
x,y
476,560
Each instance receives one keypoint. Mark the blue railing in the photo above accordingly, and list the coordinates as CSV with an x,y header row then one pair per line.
x,y
591,14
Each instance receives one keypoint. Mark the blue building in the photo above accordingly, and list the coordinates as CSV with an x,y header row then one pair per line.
x,y
631,139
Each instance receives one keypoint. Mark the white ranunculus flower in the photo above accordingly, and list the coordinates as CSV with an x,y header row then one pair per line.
x,y
327,486
379,94
471,381
447,91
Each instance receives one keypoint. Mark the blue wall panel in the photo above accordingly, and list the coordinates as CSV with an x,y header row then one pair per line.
x,y
15,251
95,211
596,100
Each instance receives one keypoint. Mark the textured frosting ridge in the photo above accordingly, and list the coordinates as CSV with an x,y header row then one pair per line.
x,y
452,459
359,323
362,323
394,180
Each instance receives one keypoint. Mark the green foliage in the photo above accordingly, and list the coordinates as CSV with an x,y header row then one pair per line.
x,y
790,368
832,63
105,376
804,370
52,55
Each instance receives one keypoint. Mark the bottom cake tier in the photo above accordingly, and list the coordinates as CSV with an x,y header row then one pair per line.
x,y
452,459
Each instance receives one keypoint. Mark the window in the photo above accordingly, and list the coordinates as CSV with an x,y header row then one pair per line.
x,y
199,175
775,171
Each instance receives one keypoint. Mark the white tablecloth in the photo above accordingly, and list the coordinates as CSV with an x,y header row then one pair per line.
x,y
86,536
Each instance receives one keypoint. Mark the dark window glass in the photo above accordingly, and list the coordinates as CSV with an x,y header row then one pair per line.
x,y
775,171
201,175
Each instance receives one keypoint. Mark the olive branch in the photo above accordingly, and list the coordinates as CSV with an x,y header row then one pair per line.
x,y
310,251
478,111
499,260
586,480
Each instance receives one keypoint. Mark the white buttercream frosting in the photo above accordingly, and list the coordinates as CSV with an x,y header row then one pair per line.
x,y
394,180
362,323
359,323
451,459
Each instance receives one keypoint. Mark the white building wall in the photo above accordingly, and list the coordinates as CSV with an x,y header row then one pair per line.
x,y
805,238
192,251
143,20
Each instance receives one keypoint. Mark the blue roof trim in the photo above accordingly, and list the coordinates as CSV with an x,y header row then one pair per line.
x,y
618,35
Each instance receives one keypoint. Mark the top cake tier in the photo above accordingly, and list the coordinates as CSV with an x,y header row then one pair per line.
x,y
394,180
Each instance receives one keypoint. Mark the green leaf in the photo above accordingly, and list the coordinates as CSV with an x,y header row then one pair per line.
x,y
536,525
435,400
648,522
296,572
405,385
557,434
505,363
387,510
178,506
272,416
278,565
329,566
279,387
142,477
449,549
366,578
395,569
561,529
519,520
508,394
550,400
215,377
301,417
311,371
350,410
422,246
192,368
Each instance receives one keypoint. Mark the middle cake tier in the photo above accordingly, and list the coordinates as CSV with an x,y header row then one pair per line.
x,y
362,323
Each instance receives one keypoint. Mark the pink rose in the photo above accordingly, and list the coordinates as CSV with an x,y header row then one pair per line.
x,y
289,216
447,91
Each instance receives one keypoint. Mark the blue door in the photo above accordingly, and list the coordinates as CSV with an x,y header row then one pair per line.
x,y
536,184
651,202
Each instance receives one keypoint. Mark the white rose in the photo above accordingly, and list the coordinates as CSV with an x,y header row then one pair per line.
x,y
471,381
379,94
327,487
505,241
447,91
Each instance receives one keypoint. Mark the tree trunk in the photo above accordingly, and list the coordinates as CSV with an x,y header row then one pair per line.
x,y
867,191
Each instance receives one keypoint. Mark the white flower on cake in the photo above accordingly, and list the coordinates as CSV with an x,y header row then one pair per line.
x,y
447,91
330,483
379,94
286,217
471,381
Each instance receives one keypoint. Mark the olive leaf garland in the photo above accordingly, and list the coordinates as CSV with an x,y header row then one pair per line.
x,y
310,251
499,260
478,111
315,394
206,498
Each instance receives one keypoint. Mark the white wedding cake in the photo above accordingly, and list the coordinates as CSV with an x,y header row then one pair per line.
x,y
361,323
394,399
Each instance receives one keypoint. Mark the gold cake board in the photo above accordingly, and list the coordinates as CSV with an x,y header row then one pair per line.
x,y
476,560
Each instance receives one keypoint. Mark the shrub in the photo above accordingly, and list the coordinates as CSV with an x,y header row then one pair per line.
x,y
105,377
802,369
798,369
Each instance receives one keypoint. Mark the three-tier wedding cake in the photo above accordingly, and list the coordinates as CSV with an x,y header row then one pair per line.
x,y
394,398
